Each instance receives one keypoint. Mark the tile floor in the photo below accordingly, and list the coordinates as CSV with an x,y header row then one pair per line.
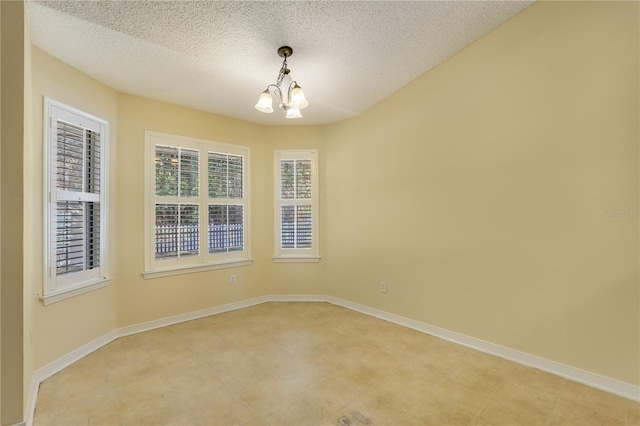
x,y
311,364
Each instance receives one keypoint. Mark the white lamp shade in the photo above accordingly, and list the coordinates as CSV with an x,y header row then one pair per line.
x,y
293,113
265,103
298,101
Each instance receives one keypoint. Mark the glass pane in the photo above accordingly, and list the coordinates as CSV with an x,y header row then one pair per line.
x,y
287,179
218,233
296,227
189,172
226,176
236,228
217,175
70,238
177,230
166,231
70,158
189,230
167,166
303,179
226,228
287,227
235,176
303,227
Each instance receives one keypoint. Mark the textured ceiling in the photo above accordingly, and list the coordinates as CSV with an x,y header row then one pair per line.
x,y
218,56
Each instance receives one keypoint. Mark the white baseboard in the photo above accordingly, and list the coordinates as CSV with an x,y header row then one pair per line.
x,y
298,298
189,316
594,380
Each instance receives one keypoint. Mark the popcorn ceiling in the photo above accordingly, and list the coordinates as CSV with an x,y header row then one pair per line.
x,y
218,56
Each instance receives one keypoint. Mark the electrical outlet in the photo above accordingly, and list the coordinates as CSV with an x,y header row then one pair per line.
x,y
383,287
232,279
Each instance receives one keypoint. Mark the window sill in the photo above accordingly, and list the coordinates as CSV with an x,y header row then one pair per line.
x,y
75,291
296,259
178,270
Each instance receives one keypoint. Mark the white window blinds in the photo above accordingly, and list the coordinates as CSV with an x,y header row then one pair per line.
x,y
296,224
78,205
226,175
177,185
226,219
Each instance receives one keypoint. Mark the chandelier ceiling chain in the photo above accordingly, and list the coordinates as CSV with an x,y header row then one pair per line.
x,y
283,71
292,100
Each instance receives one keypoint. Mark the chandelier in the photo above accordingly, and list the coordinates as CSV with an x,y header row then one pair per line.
x,y
292,100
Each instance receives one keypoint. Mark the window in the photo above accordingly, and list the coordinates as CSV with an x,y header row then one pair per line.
x,y
76,202
197,210
296,206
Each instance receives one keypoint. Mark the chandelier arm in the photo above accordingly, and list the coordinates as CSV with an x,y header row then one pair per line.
x,y
291,87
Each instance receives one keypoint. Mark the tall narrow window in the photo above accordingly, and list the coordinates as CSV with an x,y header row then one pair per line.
x,y
76,203
296,204
196,198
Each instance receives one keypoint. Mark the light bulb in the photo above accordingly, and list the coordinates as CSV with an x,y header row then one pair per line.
x,y
265,103
293,113
298,101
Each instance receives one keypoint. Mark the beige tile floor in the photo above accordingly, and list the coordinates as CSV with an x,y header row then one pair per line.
x,y
311,364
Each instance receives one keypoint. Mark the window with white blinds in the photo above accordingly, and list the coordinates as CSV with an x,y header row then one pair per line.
x,y
296,206
76,203
196,205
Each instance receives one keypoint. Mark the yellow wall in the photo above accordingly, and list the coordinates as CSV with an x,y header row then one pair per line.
x,y
28,215
478,192
59,328
12,76
297,278
130,299
140,299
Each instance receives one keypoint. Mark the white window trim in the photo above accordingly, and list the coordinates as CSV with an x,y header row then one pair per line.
x,y
311,255
204,262
86,287
167,272
296,259
50,292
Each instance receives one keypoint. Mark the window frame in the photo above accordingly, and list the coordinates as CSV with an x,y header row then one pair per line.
x,y
204,261
57,288
300,255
